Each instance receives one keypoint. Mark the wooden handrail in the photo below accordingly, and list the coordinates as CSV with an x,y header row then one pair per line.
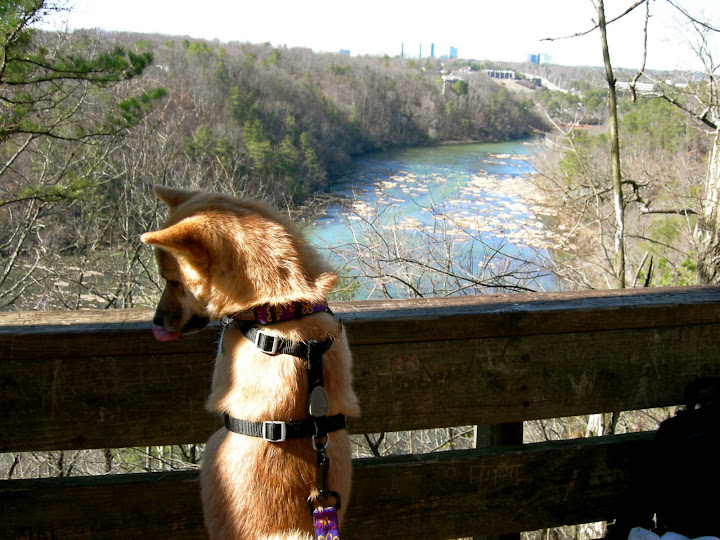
x,y
76,380
100,380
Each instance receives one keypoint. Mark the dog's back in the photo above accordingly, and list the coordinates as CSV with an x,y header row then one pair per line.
x,y
221,256
250,485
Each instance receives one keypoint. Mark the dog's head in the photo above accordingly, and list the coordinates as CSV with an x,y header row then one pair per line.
x,y
219,256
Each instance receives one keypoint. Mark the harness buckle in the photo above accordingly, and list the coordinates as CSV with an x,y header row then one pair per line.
x,y
262,340
270,431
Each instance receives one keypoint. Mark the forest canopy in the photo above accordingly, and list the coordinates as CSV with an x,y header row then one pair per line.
x,y
90,121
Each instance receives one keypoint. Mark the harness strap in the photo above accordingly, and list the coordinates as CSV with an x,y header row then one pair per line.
x,y
274,345
316,426
273,431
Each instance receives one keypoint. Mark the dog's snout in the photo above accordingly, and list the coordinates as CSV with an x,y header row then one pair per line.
x,y
158,320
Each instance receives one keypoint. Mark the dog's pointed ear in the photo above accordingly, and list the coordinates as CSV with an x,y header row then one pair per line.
x,y
173,196
183,238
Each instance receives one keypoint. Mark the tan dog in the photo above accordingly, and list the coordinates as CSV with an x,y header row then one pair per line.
x,y
222,256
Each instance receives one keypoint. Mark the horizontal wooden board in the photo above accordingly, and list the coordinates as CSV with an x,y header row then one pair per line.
x,y
119,332
444,495
139,392
514,379
469,317
115,402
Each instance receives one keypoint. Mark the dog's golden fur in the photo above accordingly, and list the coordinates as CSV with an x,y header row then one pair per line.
x,y
220,256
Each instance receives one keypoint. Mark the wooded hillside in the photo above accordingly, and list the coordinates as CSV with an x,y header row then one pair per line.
x,y
92,120
286,121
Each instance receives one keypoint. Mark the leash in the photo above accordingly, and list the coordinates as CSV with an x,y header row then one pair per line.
x,y
325,519
317,426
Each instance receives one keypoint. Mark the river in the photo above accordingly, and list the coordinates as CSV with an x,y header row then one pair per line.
x,y
459,218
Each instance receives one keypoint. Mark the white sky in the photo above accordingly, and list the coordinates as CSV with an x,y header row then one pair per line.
x,y
479,29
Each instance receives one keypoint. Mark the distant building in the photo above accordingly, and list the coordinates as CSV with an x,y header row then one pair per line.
x,y
432,50
345,52
500,74
644,89
453,52
538,58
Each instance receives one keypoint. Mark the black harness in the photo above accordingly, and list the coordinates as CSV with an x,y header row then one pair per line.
x,y
317,426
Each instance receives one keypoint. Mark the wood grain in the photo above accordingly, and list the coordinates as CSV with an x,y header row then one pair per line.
x,y
137,392
443,495
100,380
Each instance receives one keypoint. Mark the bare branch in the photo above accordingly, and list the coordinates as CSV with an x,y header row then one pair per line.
x,y
702,117
695,20
675,211
597,24
641,71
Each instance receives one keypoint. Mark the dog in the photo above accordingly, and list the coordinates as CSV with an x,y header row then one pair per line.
x,y
225,257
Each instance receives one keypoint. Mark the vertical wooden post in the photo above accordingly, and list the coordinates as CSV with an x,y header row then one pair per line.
x,y
499,435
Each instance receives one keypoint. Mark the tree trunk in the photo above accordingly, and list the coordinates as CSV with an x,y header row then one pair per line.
x,y
707,229
614,153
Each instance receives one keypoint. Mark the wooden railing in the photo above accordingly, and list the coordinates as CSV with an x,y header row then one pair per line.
x,y
80,380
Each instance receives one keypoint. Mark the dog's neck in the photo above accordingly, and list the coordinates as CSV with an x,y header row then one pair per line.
x,y
272,313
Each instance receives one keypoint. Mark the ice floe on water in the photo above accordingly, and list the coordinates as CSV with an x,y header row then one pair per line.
x,y
504,207
469,195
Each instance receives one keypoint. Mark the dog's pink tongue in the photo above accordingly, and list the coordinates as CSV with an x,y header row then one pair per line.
x,y
163,335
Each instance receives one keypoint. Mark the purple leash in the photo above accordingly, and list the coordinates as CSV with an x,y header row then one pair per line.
x,y
325,518
326,523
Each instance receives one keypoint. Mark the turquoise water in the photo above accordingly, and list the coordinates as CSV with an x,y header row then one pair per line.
x,y
470,204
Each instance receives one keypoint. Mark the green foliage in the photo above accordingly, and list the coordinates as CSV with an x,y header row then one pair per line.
x,y
559,104
668,274
65,104
221,75
241,102
310,166
657,123
258,145
347,287
199,49
135,108
451,109
72,188
342,72
583,150
595,101
38,86
460,88
666,230
669,269
274,57
205,148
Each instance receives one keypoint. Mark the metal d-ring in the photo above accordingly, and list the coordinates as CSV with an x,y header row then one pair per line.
x,y
320,447
323,495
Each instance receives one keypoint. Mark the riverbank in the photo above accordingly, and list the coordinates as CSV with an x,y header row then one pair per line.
x,y
472,205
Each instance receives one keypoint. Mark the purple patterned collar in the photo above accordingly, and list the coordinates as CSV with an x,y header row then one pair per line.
x,y
269,314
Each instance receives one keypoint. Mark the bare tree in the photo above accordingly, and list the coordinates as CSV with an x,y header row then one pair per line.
x,y
701,102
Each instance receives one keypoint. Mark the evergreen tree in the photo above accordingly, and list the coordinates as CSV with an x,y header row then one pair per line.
x,y
58,121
